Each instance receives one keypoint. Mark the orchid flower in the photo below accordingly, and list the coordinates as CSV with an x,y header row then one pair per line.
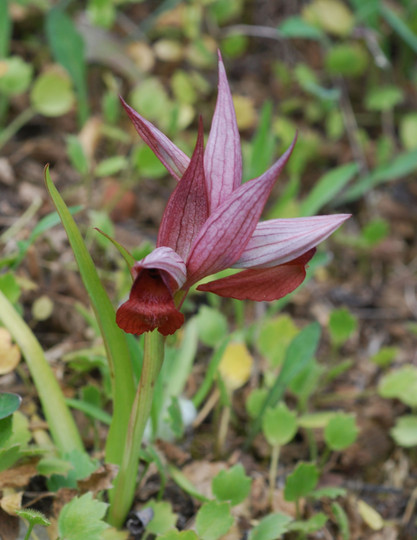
x,y
211,223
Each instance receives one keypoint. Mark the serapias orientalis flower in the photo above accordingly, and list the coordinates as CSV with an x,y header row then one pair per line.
x,y
211,223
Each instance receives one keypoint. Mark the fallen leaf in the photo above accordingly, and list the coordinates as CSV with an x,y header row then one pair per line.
x,y
11,502
9,353
19,476
99,480
370,516
235,365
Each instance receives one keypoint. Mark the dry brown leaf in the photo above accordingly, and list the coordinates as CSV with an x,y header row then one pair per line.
x,y
201,474
19,476
11,502
100,479
9,353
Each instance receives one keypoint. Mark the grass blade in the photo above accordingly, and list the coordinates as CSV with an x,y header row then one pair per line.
x,y
114,339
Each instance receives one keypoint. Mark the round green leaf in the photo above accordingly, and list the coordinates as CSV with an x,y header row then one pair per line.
x,y
341,431
213,520
232,485
212,326
342,325
408,131
400,384
255,401
52,94
15,76
301,482
405,431
383,98
271,527
9,403
279,425
348,59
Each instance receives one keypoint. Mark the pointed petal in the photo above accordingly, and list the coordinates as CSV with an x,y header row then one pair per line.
x,y
265,284
223,157
165,259
165,150
224,236
150,306
187,208
277,241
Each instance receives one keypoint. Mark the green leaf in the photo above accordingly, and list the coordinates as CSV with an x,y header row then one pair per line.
x,y
383,98
279,425
91,410
346,59
310,525
232,485
78,157
404,432
163,517
5,430
67,47
212,326
5,29
327,187
263,145
255,401
9,403
301,482
403,165
111,166
399,26
52,95
10,287
179,535
318,420
16,76
213,520
270,527
342,324
275,336
341,431
329,492
299,353
82,518
385,356
296,27
342,520
113,337
60,421
182,481
34,517
51,465
400,384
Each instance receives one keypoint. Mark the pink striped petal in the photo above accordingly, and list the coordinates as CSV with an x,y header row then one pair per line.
x,y
164,258
165,150
265,284
277,241
187,208
223,157
223,237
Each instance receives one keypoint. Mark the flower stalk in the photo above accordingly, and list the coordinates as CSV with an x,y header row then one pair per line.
x,y
124,486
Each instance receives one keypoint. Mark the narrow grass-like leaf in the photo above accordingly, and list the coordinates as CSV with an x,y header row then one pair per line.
x,y
90,410
61,424
67,46
399,26
299,353
399,167
127,256
114,339
329,185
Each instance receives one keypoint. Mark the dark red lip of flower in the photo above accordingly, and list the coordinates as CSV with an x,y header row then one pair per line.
x,y
211,222
150,305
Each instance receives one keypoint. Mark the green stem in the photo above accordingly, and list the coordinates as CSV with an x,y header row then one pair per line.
x,y
23,118
29,531
61,424
125,483
273,468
